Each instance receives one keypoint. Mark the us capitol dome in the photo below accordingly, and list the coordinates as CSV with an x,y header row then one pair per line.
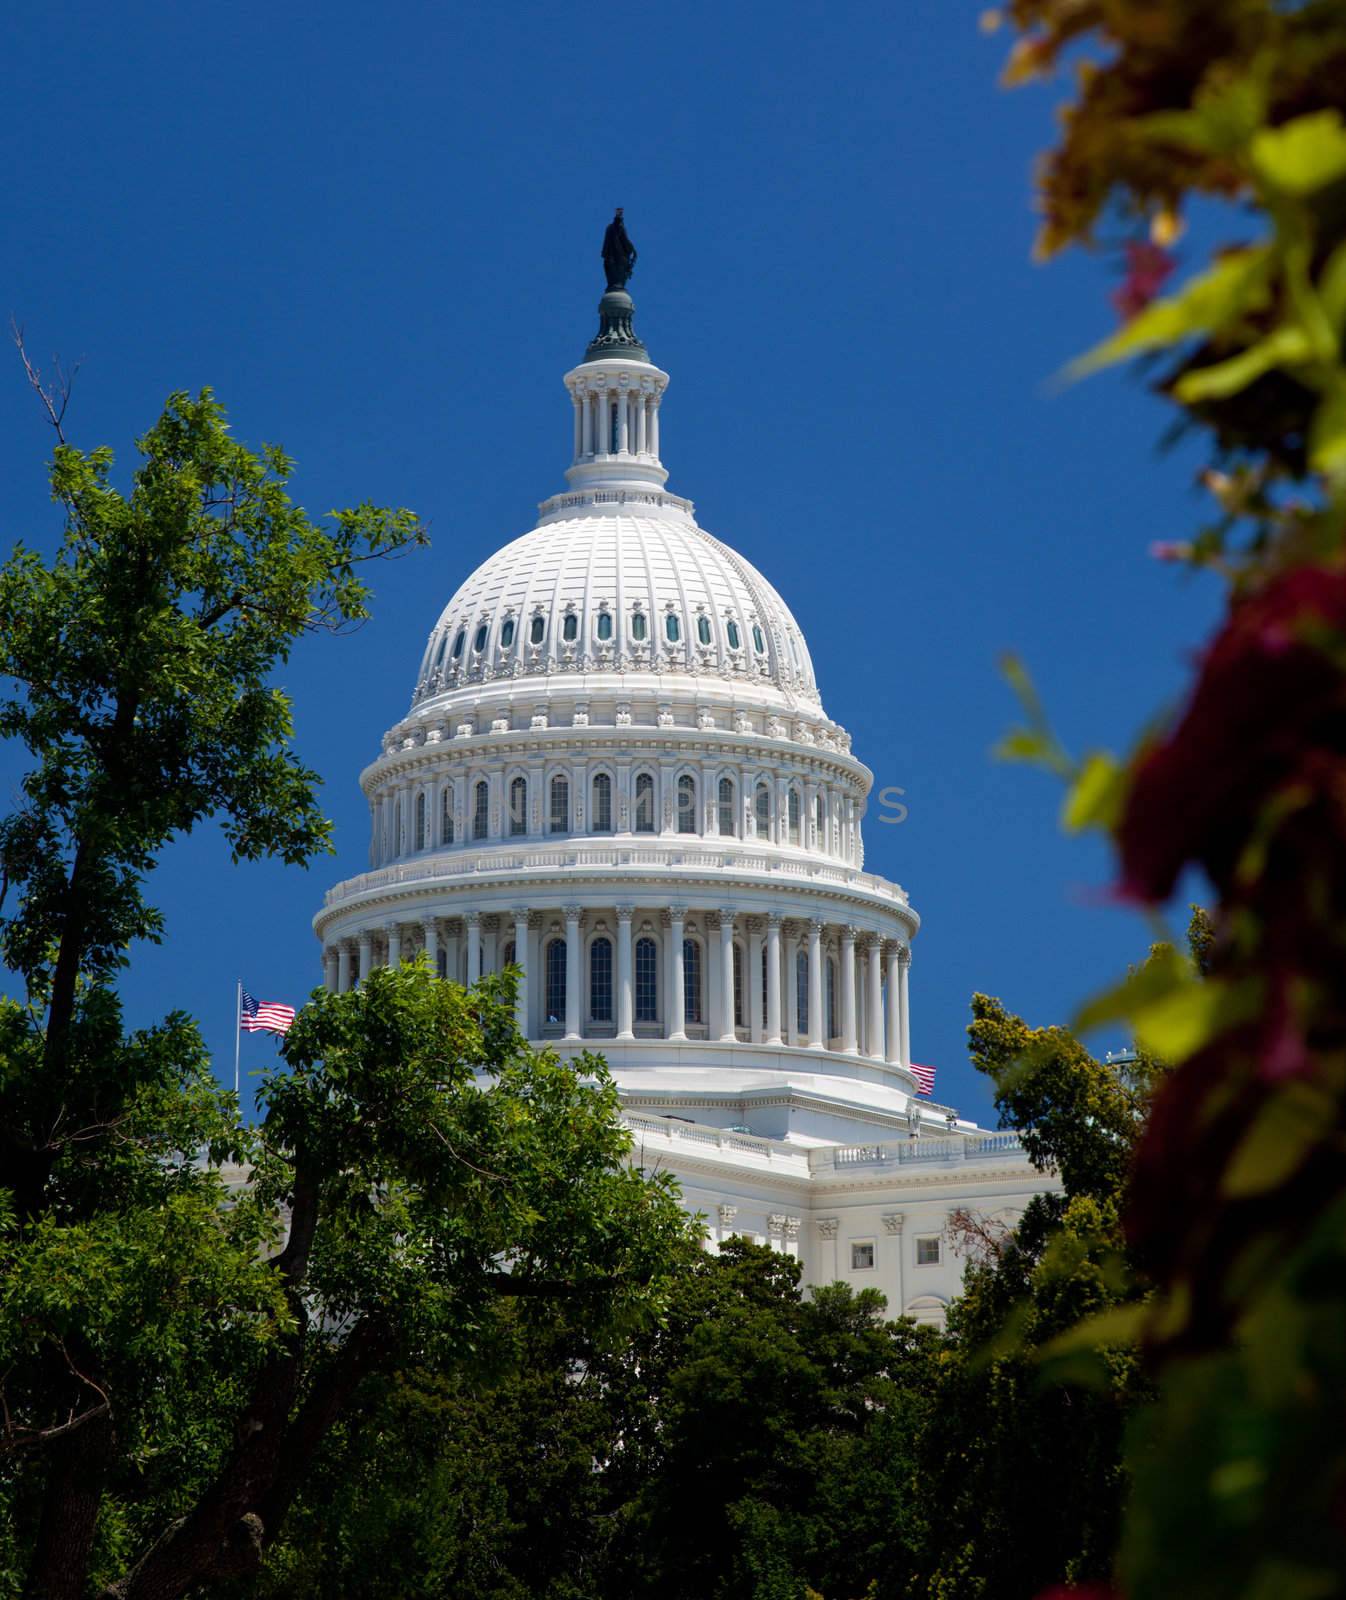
x,y
617,775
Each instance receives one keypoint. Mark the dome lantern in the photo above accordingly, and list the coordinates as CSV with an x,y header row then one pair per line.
x,y
616,390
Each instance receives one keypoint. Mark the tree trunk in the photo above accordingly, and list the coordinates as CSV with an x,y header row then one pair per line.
x,y
76,1471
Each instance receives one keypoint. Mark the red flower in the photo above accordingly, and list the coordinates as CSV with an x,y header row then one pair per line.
x,y
1148,269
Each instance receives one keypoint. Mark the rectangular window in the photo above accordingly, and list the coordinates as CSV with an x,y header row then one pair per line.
x,y
862,1255
927,1251
647,981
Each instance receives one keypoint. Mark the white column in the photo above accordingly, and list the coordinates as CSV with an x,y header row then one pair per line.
x,y
587,420
654,426
815,1033
521,961
623,425
491,930
727,1033
473,921
773,922
602,422
677,989
848,1039
903,1008
343,967
366,955
579,425
452,966
625,976
393,930
573,969
893,1050
431,930
329,968
756,1031
791,1029
642,419
875,996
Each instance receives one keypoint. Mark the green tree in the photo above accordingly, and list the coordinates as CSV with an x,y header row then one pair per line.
x,y
173,1354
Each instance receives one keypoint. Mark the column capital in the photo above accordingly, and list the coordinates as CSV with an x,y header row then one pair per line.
x,y
792,1227
904,955
520,913
625,913
893,1220
429,923
776,1222
365,940
672,914
472,919
816,926
728,914
727,1215
775,919
827,1226
849,933
572,913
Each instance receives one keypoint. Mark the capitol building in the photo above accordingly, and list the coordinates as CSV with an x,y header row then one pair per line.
x,y
617,775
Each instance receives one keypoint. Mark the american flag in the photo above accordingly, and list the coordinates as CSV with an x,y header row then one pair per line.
x,y
925,1079
263,1016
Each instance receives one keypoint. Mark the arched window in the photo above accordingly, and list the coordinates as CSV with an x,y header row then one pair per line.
x,y
421,838
672,628
604,629
691,980
507,633
703,629
458,643
479,643
602,812
555,995
446,816
600,980
560,805
686,803
612,420
538,630
758,642
731,628
793,814
647,980
726,808
570,627
832,1029
638,625
441,962
443,645
508,959
644,803
738,986
481,809
802,993
518,806
819,820
763,803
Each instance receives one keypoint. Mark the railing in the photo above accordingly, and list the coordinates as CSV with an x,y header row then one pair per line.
x,y
453,866
773,1151
960,1149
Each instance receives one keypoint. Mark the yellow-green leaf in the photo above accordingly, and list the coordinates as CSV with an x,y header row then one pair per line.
x,y
1286,347
1178,1024
1279,1140
1327,435
1119,1325
1237,283
1095,798
1303,155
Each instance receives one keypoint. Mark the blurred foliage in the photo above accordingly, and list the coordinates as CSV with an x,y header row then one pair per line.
x,y
1232,112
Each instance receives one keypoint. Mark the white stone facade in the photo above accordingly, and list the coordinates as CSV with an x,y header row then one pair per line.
x,y
617,775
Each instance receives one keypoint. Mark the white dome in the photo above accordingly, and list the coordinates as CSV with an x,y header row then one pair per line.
x,y
598,587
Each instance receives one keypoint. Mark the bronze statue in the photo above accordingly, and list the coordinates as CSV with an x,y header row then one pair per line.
x,y
619,254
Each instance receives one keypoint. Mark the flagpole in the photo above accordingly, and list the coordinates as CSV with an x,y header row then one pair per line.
x,y
238,1032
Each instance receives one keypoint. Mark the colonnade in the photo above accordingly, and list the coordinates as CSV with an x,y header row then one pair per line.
x,y
680,973
615,421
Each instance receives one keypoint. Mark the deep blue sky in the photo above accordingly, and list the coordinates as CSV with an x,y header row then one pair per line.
x,y
374,231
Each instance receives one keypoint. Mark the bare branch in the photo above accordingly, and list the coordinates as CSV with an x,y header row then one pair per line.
x,y
54,395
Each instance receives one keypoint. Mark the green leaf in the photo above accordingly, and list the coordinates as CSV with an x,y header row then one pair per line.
x,y
1281,1137
1178,1024
1095,798
1288,346
1327,435
1221,123
1303,155
1119,1325
1237,283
